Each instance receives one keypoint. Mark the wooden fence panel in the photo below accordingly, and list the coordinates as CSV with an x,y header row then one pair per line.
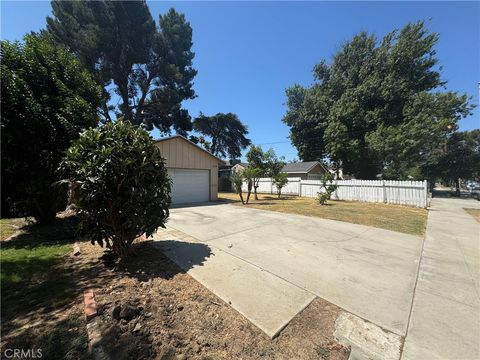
x,y
411,193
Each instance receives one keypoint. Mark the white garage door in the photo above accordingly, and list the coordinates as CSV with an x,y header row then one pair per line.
x,y
189,185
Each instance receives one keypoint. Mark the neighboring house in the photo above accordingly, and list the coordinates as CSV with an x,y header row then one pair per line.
x,y
224,171
309,170
193,170
239,167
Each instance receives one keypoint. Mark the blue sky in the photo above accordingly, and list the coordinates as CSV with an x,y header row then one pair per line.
x,y
247,53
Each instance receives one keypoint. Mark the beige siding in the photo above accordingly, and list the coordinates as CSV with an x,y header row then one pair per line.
x,y
180,153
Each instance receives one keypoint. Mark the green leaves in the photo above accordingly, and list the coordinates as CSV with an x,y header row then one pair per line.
x,y
326,189
150,67
47,99
279,181
124,188
227,134
375,108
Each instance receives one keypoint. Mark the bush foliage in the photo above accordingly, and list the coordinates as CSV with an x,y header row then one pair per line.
x,y
237,180
280,180
326,190
47,100
123,185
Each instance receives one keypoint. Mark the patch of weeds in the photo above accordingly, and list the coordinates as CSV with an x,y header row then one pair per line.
x,y
324,353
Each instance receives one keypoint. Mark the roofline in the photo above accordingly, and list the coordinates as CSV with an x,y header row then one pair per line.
x,y
197,146
315,163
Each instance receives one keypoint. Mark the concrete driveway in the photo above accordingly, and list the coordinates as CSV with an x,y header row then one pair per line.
x,y
270,265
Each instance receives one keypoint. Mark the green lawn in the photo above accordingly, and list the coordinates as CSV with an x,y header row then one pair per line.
x,y
33,252
404,219
36,279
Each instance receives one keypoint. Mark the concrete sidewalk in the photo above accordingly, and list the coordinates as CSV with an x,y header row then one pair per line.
x,y
445,319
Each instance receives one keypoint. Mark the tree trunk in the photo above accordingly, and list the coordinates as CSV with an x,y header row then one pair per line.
x,y
255,186
249,188
457,186
241,197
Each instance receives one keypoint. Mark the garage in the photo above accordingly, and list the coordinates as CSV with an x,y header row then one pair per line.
x,y
193,170
189,185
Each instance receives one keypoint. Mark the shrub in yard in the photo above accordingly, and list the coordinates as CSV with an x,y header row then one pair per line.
x,y
237,182
123,186
280,180
249,175
47,99
326,190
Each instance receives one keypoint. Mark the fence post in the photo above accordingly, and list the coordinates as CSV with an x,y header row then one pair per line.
x,y
425,192
384,192
300,187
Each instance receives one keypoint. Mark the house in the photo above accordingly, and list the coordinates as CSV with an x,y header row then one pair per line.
x,y
224,173
226,170
193,170
308,170
239,167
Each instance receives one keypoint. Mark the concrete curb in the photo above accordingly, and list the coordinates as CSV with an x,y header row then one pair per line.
x,y
366,340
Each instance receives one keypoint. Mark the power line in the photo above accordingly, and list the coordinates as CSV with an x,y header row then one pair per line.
x,y
275,142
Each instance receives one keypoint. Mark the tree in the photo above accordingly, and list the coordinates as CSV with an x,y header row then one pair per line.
x,y
273,163
47,100
377,108
461,158
237,182
150,68
326,189
267,163
124,188
226,132
280,180
256,159
249,175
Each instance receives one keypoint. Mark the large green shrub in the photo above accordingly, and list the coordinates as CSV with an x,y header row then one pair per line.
x,y
48,98
123,186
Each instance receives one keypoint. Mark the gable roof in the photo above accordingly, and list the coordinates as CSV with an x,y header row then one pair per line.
x,y
242,164
190,142
301,167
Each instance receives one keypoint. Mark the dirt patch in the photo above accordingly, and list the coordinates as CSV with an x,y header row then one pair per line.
x,y
474,212
150,309
153,310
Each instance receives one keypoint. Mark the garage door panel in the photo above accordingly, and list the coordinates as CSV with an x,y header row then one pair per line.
x,y
189,185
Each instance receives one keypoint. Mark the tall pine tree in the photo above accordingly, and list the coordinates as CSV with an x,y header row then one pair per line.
x,y
149,67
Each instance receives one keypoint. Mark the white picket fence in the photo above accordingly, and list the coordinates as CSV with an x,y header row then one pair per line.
x,y
412,193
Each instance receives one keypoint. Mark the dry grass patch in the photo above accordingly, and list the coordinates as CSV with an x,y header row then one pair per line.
x,y
474,212
9,227
403,219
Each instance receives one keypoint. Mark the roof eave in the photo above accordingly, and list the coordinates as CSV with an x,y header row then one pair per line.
x,y
198,147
